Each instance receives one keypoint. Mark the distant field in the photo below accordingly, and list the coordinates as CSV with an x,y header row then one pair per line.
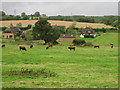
x,y
55,22
87,67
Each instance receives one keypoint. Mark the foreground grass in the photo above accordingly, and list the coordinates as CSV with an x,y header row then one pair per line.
x,y
87,67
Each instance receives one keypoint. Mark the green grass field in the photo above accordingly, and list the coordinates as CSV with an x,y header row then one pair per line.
x,y
58,67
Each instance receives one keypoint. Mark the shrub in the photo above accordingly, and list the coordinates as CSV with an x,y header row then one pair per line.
x,y
17,38
88,36
88,44
78,42
98,34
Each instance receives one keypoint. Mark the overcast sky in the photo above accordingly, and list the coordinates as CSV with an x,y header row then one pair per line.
x,y
62,8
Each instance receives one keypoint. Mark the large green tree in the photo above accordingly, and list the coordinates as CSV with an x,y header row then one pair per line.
x,y
44,31
2,13
37,14
71,29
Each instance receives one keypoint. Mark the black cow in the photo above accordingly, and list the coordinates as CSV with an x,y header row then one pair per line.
x,y
111,45
3,45
31,46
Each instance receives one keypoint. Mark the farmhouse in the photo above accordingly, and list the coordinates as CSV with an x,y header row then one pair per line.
x,y
87,31
67,37
11,32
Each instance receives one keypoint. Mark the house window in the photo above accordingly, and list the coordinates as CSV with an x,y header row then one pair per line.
x,y
10,36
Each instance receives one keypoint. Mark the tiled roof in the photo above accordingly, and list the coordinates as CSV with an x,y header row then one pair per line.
x,y
87,31
67,36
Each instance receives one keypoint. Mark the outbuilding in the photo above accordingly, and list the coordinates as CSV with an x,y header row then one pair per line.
x,y
67,37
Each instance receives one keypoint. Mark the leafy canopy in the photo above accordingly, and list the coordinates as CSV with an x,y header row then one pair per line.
x,y
44,31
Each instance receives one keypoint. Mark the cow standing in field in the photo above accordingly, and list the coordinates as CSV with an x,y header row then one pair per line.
x,y
71,48
31,46
3,45
23,48
50,45
111,45
96,46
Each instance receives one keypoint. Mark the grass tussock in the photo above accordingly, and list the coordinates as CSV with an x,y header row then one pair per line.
x,y
31,73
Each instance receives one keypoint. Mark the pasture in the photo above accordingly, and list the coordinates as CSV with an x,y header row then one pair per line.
x,y
54,22
58,67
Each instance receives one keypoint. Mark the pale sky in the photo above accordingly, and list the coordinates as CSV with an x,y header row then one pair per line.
x,y
60,0
62,8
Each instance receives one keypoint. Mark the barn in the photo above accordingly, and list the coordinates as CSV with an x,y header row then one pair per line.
x,y
67,37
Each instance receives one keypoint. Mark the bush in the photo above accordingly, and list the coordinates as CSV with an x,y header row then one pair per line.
x,y
17,38
78,42
88,44
98,34
88,36
55,42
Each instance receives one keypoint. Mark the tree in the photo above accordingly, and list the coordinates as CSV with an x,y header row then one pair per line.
x,y
44,31
28,35
19,25
11,25
25,17
115,23
37,14
23,14
71,29
78,42
43,15
2,13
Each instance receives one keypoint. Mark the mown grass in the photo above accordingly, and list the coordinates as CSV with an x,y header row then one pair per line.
x,y
104,40
87,67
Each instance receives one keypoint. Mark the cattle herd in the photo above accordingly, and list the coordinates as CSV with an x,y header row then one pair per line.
x,y
50,45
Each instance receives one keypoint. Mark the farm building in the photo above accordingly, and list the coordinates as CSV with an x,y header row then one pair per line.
x,y
11,32
67,37
87,31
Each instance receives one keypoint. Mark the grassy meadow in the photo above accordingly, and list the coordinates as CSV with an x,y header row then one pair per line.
x,y
58,67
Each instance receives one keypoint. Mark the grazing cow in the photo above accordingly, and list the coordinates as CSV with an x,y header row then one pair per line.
x,y
31,46
23,48
3,45
111,45
96,46
71,48
50,45
47,47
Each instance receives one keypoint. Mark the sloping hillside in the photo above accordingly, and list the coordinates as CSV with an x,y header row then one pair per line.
x,y
54,22
105,39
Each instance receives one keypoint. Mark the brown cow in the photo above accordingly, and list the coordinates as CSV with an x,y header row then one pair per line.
x,y
96,46
111,45
23,48
31,46
71,48
49,45
3,45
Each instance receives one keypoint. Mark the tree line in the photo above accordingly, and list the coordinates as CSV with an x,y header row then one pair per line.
x,y
23,16
108,20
